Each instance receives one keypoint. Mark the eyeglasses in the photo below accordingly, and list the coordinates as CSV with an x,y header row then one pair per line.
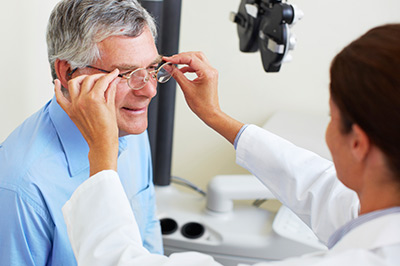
x,y
139,77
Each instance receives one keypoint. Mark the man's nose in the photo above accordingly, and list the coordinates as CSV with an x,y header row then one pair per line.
x,y
149,90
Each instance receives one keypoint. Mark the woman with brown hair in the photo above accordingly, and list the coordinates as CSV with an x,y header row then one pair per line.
x,y
352,204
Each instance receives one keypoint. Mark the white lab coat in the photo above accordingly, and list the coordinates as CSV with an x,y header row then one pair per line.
x,y
300,179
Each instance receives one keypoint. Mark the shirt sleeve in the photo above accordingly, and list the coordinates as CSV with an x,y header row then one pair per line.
x,y
25,230
103,231
300,179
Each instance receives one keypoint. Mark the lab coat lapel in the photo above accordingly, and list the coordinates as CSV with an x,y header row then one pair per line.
x,y
382,231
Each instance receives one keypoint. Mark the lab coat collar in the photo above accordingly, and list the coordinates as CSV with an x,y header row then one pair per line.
x,y
382,231
75,146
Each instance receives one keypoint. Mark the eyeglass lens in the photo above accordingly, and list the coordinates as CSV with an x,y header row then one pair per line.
x,y
141,76
164,72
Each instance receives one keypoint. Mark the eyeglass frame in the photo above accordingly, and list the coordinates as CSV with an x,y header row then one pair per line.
x,y
129,74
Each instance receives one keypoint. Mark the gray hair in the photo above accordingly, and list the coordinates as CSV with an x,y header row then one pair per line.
x,y
76,26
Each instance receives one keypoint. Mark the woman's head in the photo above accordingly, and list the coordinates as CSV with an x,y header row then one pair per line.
x,y
365,86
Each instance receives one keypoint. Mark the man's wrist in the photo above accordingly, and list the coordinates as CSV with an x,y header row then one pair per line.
x,y
103,157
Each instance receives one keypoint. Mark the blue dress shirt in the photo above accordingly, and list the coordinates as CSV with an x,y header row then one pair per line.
x,y
42,162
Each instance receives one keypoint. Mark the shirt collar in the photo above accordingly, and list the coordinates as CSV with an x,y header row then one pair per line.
x,y
122,141
75,146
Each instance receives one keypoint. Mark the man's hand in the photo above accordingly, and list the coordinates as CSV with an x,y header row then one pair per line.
x,y
92,108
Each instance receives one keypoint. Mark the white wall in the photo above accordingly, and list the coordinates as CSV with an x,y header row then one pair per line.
x,y
246,91
24,69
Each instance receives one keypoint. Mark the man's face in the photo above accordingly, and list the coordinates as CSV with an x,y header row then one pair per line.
x,y
127,54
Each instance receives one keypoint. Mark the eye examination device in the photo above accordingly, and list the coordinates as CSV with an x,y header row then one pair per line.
x,y
264,25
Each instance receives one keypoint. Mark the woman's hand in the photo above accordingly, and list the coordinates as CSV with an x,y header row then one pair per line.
x,y
91,106
201,94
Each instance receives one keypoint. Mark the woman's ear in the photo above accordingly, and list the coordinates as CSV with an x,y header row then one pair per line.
x,y
62,69
360,143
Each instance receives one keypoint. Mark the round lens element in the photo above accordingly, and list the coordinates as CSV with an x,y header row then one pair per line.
x,y
138,78
164,73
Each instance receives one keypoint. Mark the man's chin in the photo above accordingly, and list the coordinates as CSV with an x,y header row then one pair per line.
x,y
135,131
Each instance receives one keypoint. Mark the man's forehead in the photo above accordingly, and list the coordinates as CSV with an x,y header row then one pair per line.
x,y
133,65
128,53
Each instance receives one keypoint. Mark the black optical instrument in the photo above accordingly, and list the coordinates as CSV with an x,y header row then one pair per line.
x,y
265,25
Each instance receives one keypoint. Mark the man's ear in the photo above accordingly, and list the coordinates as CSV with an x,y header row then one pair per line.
x,y
62,69
360,143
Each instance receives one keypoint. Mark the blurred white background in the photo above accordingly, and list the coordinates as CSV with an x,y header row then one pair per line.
x,y
246,91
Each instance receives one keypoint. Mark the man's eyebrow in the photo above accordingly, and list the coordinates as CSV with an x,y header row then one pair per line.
x,y
157,60
125,67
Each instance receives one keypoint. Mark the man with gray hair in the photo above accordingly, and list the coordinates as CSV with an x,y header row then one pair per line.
x,y
46,158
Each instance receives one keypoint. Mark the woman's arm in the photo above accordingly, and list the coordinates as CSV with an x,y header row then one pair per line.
x,y
302,180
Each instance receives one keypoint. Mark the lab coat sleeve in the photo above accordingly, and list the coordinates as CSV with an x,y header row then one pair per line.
x,y
300,179
102,228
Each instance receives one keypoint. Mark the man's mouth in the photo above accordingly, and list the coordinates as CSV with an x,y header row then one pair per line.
x,y
135,110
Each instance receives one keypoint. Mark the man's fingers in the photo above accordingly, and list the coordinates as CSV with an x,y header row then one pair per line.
x,y
90,83
110,92
103,83
74,86
96,84
62,101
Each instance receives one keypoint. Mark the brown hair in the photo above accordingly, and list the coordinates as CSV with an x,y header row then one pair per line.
x,y
365,85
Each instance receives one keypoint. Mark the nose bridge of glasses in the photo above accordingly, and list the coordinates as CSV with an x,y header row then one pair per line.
x,y
153,73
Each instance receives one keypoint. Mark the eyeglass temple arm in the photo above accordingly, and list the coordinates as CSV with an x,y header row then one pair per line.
x,y
92,67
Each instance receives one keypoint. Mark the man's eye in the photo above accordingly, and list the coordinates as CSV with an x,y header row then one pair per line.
x,y
125,74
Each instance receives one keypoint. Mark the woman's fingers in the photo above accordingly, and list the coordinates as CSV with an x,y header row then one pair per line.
x,y
195,62
187,58
201,93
